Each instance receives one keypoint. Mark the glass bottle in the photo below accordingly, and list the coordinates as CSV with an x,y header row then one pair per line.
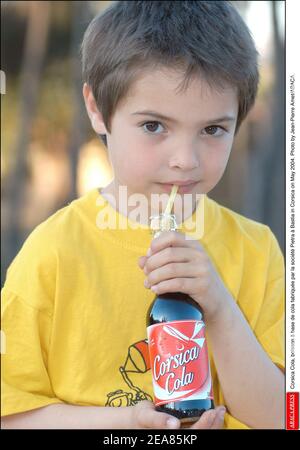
x,y
178,349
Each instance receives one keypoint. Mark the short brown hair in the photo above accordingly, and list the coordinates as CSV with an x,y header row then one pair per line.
x,y
199,37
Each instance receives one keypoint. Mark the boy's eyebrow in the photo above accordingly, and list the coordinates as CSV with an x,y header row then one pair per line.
x,y
169,119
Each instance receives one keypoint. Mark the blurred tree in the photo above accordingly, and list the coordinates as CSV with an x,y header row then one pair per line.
x,y
253,183
81,15
264,198
275,172
34,52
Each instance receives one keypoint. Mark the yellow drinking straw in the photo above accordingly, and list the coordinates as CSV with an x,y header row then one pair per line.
x,y
163,222
171,200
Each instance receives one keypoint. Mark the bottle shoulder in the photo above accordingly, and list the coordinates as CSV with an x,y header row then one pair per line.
x,y
173,306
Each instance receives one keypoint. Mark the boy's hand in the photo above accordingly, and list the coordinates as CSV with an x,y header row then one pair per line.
x,y
144,415
176,264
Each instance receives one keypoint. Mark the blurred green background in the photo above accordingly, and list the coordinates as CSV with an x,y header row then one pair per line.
x,y
49,152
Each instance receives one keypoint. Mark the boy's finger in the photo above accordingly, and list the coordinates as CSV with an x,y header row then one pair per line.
x,y
149,418
206,420
219,419
142,261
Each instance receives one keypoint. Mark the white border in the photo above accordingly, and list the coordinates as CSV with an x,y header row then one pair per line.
x,y
292,68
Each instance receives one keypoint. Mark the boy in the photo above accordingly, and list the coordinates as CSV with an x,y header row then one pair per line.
x,y
168,85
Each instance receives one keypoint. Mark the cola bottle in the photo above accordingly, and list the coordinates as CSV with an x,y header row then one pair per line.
x,y
178,349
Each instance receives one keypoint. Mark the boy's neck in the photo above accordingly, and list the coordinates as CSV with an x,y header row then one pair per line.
x,y
112,191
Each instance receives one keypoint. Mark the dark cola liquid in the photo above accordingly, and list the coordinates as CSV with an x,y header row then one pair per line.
x,y
168,308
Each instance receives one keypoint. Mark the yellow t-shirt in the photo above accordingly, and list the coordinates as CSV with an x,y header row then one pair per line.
x,y
74,305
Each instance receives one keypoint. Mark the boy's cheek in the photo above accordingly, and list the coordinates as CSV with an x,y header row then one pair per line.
x,y
141,163
145,172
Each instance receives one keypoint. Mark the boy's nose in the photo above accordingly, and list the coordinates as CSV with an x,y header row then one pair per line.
x,y
184,159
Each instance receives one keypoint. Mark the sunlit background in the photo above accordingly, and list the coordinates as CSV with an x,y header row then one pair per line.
x,y
49,153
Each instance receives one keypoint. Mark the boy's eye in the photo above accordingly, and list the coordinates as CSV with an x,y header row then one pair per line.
x,y
214,130
152,127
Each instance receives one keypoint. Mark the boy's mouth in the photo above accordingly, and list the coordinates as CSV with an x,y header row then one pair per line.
x,y
184,186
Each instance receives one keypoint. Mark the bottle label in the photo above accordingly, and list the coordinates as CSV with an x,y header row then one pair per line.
x,y
179,361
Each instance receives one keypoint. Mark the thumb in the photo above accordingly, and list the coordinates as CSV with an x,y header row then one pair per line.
x,y
158,420
148,417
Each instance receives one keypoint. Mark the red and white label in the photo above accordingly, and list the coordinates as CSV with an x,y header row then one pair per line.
x,y
292,410
179,361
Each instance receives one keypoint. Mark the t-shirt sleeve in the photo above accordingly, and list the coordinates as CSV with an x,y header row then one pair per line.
x,y
269,328
25,381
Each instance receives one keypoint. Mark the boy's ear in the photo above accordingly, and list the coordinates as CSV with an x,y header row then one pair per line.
x,y
92,110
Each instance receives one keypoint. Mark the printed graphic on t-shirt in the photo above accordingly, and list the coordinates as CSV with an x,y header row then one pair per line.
x,y
137,361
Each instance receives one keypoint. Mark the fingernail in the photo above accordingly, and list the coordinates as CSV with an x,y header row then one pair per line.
x,y
211,418
146,284
173,423
222,412
148,252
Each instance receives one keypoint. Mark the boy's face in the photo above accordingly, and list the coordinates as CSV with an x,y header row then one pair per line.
x,y
191,145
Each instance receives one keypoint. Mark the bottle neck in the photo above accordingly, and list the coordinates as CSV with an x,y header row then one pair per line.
x,y
162,222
